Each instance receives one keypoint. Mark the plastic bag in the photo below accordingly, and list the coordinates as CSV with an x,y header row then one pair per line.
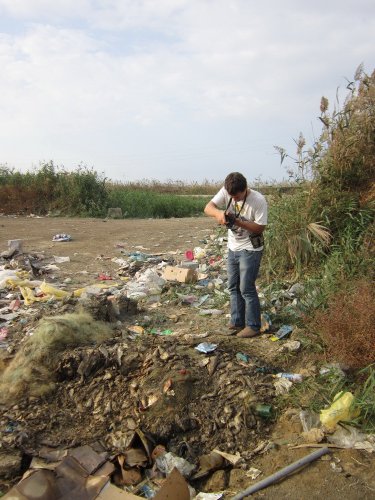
x,y
340,409
199,253
51,291
346,436
168,461
309,420
6,274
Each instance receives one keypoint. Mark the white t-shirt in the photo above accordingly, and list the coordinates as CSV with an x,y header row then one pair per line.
x,y
253,210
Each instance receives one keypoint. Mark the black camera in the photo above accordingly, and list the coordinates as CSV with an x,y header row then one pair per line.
x,y
230,219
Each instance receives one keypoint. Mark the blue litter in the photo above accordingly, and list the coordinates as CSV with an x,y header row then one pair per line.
x,y
242,357
203,282
147,491
284,331
266,323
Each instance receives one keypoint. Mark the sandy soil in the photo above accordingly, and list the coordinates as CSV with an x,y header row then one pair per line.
x,y
94,243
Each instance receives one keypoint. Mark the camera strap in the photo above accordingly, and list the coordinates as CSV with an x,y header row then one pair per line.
x,y
236,214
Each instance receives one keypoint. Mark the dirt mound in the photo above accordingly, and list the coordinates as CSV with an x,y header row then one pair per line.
x,y
188,401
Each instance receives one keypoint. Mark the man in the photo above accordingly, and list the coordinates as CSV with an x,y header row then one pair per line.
x,y
245,216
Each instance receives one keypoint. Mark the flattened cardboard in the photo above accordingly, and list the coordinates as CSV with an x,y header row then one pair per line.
x,y
87,457
111,492
174,487
70,481
39,485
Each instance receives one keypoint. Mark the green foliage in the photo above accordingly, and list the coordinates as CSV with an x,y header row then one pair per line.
x,y
143,204
315,393
349,258
348,135
82,192
206,187
294,238
50,188
365,399
326,222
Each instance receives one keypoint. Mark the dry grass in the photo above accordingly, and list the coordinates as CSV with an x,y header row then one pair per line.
x,y
347,326
32,371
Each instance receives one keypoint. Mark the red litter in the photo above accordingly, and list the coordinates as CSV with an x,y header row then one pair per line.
x,y
189,254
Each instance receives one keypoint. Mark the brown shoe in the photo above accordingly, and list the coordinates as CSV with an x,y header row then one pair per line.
x,y
234,327
247,333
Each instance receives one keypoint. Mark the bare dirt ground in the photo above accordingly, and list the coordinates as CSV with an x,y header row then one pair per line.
x,y
206,410
95,238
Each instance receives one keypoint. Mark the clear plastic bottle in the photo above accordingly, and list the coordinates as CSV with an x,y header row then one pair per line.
x,y
294,377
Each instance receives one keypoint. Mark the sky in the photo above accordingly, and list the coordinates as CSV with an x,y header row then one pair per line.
x,y
186,90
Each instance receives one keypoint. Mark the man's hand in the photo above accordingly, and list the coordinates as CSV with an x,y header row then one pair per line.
x,y
220,217
212,211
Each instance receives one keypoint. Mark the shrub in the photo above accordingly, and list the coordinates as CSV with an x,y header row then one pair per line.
x,y
347,325
49,188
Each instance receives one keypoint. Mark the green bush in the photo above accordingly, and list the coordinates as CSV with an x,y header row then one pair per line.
x,y
49,188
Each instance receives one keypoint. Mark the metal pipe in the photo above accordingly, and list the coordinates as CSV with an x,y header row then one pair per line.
x,y
282,473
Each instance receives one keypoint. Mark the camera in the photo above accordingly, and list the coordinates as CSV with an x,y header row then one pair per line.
x,y
230,219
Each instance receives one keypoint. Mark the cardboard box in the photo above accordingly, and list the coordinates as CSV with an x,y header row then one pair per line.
x,y
173,273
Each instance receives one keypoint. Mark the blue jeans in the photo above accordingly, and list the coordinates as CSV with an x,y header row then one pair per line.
x,y
243,268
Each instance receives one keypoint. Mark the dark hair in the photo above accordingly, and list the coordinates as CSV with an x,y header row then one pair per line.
x,y
235,183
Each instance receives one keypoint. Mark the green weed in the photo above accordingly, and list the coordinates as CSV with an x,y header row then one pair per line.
x,y
365,399
314,393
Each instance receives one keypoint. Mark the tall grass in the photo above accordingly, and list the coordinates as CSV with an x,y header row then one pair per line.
x,y
336,259
365,399
168,187
84,192
325,223
295,238
136,203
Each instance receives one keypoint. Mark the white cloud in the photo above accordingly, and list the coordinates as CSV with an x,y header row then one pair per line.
x,y
106,78
45,9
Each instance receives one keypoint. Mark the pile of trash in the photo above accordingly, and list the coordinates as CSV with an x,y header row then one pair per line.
x,y
101,383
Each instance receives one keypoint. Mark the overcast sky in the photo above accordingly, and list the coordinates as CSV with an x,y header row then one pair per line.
x,y
172,89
